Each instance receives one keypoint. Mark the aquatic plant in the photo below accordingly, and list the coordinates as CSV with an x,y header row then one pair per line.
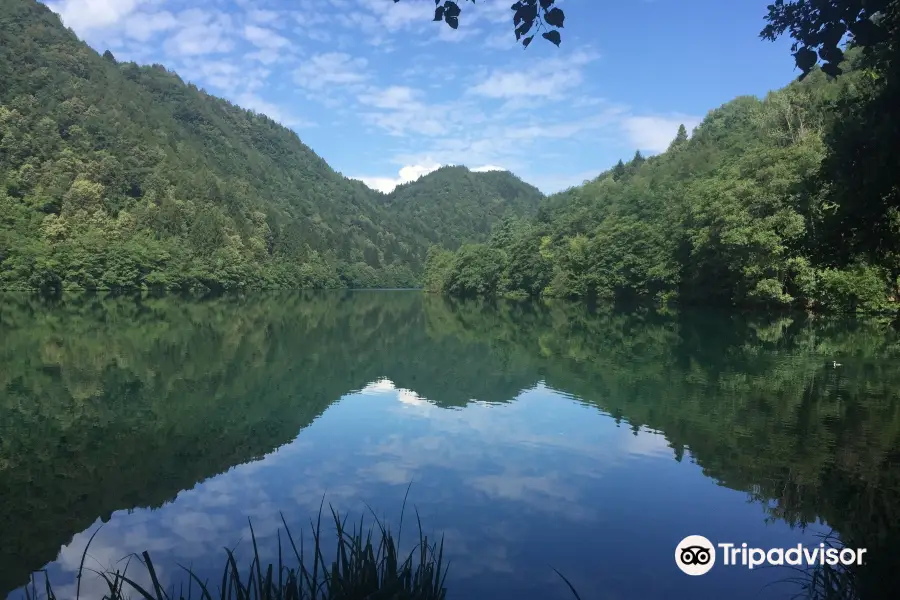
x,y
824,581
367,565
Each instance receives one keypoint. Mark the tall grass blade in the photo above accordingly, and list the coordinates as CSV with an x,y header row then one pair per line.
x,y
81,564
568,583
153,578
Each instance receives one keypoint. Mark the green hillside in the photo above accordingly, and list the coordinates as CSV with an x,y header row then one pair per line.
x,y
740,213
453,205
114,175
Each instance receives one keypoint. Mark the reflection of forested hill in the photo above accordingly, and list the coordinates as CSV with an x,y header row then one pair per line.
x,y
111,404
757,402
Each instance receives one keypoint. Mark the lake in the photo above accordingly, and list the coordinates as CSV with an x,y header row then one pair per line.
x,y
532,436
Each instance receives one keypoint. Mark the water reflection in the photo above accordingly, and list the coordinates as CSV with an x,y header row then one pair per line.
x,y
176,421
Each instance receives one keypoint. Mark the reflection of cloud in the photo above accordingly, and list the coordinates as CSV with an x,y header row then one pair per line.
x,y
106,553
520,487
499,480
390,472
409,397
380,386
367,449
474,559
386,386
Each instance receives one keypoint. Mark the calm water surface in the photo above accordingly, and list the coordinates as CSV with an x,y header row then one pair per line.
x,y
535,436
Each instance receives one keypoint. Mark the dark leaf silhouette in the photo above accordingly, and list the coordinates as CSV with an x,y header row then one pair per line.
x,y
554,17
552,36
806,59
526,17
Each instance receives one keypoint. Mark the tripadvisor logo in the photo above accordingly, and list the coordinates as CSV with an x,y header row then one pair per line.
x,y
696,555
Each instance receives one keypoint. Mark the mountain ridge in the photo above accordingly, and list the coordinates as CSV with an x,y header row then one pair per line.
x,y
120,176
422,203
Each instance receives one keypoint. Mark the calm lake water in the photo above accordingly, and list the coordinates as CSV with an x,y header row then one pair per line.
x,y
535,436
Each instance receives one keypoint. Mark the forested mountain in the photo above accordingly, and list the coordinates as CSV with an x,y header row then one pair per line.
x,y
453,204
114,175
739,213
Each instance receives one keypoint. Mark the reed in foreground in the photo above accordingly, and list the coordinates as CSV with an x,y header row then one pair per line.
x,y
363,568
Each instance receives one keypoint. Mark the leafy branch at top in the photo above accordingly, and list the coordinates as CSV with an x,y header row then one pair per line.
x,y
819,26
529,17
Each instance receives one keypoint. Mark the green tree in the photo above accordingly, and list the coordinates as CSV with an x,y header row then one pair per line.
x,y
859,173
680,138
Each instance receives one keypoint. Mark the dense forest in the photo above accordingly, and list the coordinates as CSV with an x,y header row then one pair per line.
x,y
119,176
788,200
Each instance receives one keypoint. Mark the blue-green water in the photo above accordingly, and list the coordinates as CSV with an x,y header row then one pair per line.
x,y
534,435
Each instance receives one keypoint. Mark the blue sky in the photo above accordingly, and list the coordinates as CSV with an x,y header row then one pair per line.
x,y
385,95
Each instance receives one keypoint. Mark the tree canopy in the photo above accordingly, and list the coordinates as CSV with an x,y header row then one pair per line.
x,y
859,173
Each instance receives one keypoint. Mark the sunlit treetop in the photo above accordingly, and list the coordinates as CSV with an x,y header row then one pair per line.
x,y
529,18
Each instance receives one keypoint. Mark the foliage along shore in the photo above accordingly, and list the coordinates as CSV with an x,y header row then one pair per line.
x,y
744,212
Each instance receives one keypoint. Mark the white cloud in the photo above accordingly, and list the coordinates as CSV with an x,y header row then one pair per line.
x,y
502,40
447,34
86,15
408,174
330,69
492,11
655,133
511,140
222,74
394,16
550,78
143,26
400,112
394,97
265,56
203,33
255,103
262,37
265,17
